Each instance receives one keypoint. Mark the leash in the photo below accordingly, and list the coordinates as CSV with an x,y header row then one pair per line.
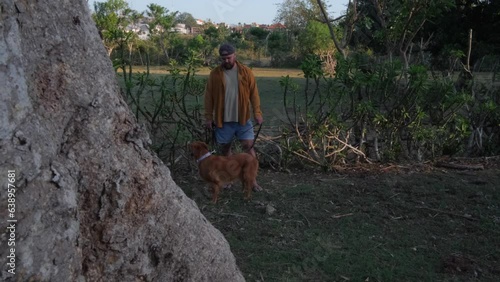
x,y
256,136
207,135
214,141
210,136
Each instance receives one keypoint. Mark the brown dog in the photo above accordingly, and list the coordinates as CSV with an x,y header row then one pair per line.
x,y
219,170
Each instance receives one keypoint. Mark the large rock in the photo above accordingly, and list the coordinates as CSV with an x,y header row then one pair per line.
x,y
92,202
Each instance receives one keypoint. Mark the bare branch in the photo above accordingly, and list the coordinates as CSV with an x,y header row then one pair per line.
x,y
330,28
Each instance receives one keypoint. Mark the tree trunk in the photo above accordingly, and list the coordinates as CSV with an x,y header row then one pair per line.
x,y
92,203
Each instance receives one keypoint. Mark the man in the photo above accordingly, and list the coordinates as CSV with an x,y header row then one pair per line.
x,y
230,91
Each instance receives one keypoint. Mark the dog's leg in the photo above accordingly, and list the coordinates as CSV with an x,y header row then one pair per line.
x,y
247,189
256,187
215,192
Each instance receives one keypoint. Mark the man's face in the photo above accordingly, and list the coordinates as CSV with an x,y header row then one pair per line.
x,y
228,61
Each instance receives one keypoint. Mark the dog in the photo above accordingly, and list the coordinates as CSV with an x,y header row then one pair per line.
x,y
220,170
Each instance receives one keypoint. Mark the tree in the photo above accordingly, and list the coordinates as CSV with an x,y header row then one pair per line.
x,y
315,38
295,14
135,17
213,37
351,18
278,47
111,18
187,19
387,26
160,26
397,25
451,32
92,203
258,36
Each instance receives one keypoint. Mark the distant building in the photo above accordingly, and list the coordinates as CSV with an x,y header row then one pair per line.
x,y
274,27
143,32
141,29
222,25
195,30
181,28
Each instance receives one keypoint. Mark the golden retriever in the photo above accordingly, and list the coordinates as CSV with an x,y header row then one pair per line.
x,y
220,170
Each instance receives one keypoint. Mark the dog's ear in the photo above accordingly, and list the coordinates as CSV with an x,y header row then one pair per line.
x,y
204,146
197,146
194,148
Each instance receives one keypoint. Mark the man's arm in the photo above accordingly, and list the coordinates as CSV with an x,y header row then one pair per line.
x,y
208,105
255,98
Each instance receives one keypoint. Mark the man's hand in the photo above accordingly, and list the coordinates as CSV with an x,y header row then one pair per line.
x,y
259,120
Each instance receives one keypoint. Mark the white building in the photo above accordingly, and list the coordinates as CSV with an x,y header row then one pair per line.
x,y
141,29
181,28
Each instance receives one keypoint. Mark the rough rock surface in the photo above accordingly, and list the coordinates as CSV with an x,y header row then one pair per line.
x,y
92,202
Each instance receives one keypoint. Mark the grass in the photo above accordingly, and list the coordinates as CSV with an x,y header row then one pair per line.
x,y
267,79
363,226
258,72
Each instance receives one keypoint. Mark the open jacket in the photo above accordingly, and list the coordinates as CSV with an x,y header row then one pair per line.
x,y
215,92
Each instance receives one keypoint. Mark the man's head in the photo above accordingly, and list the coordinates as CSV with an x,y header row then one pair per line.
x,y
227,55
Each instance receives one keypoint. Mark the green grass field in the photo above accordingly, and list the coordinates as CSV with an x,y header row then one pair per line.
x,y
408,224
271,93
377,223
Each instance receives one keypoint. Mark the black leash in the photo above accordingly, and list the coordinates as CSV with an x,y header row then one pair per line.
x,y
256,136
207,135
210,136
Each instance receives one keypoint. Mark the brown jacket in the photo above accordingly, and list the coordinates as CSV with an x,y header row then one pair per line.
x,y
215,91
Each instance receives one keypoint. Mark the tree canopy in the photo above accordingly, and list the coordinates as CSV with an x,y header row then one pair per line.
x,y
432,28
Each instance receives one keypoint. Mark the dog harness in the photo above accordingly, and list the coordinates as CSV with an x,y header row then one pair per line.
x,y
208,154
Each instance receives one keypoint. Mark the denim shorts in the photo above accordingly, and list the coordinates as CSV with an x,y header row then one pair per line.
x,y
229,130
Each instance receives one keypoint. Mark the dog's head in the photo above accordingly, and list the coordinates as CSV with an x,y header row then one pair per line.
x,y
198,149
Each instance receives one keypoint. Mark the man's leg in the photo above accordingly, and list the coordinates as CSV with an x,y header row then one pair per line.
x,y
246,136
247,146
225,149
224,137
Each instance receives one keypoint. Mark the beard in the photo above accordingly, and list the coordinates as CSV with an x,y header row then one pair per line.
x,y
228,65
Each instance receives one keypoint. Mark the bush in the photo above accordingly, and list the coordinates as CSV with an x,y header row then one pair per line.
x,y
383,112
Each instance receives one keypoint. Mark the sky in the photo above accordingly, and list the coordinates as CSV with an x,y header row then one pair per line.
x,y
230,11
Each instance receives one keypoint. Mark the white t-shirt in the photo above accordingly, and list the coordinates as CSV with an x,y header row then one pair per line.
x,y
231,96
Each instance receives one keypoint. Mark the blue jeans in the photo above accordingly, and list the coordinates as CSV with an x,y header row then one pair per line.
x,y
229,130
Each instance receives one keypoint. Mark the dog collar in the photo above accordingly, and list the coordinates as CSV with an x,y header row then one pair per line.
x,y
208,154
